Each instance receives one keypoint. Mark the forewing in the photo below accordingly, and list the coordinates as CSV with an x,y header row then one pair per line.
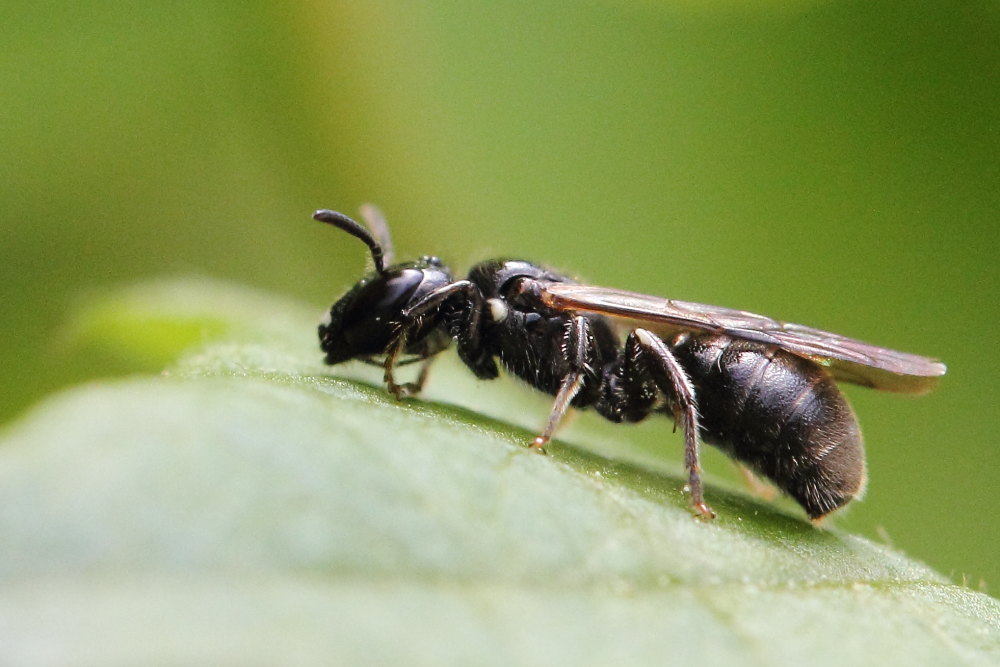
x,y
848,359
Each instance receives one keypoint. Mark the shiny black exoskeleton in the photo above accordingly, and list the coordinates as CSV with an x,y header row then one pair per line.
x,y
779,413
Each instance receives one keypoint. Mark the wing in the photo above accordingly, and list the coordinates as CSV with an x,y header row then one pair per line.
x,y
848,359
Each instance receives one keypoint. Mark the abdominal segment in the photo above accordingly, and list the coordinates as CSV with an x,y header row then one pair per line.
x,y
778,413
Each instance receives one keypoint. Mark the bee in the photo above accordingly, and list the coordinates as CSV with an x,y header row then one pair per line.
x,y
763,391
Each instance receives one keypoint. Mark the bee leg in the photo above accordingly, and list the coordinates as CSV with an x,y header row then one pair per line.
x,y
418,386
629,392
466,328
434,306
757,486
673,381
576,343
401,391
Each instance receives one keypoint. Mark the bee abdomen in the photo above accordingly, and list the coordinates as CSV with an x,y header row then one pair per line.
x,y
781,415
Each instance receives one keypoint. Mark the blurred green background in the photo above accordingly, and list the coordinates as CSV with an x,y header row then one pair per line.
x,y
830,163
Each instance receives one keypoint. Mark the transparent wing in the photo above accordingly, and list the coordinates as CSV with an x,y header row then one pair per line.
x,y
849,360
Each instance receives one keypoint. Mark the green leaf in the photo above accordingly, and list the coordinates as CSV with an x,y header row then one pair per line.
x,y
252,506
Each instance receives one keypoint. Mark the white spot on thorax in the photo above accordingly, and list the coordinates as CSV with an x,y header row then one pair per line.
x,y
498,309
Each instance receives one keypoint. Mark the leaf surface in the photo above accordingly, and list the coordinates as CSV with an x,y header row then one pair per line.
x,y
250,506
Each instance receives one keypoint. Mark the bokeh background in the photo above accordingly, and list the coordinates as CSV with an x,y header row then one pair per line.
x,y
831,163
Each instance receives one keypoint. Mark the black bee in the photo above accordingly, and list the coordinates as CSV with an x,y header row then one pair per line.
x,y
763,391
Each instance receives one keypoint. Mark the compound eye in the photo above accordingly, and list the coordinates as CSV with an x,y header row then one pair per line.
x,y
395,291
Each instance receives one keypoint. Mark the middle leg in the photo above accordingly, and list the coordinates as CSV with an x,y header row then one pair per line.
x,y
575,347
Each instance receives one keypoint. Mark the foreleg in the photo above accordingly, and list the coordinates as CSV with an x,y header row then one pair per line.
x,y
432,305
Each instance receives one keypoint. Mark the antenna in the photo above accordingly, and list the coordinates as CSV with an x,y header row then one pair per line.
x,y
355,229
